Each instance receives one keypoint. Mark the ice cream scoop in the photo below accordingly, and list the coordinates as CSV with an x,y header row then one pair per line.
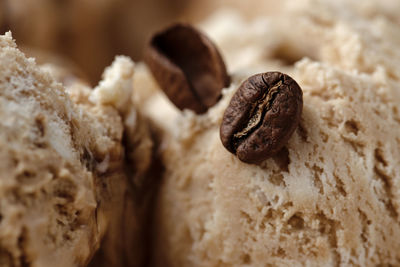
x,y
64,185
330,197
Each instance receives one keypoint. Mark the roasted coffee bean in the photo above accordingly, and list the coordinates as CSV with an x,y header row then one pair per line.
x,y
187,66
261,117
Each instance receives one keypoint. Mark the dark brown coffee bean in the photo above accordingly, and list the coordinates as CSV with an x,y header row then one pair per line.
x,y
261,117
187,66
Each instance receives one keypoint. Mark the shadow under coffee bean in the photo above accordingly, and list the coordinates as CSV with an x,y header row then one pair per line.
x,y
261,117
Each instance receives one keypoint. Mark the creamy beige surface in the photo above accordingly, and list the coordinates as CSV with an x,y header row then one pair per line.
x,y
62,177
332,196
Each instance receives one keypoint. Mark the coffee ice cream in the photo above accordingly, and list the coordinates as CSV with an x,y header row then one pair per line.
x,y
331,196
64,179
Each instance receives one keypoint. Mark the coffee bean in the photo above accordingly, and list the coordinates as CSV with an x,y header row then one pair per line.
x,y
187,66
261,117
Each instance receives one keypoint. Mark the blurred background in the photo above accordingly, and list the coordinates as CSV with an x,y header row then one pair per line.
x,y
85,35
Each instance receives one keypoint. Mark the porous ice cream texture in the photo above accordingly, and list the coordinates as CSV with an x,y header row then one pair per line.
x,y
63,184
331,197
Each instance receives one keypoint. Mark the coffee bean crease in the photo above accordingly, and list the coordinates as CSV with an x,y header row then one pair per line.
x,y
258,112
